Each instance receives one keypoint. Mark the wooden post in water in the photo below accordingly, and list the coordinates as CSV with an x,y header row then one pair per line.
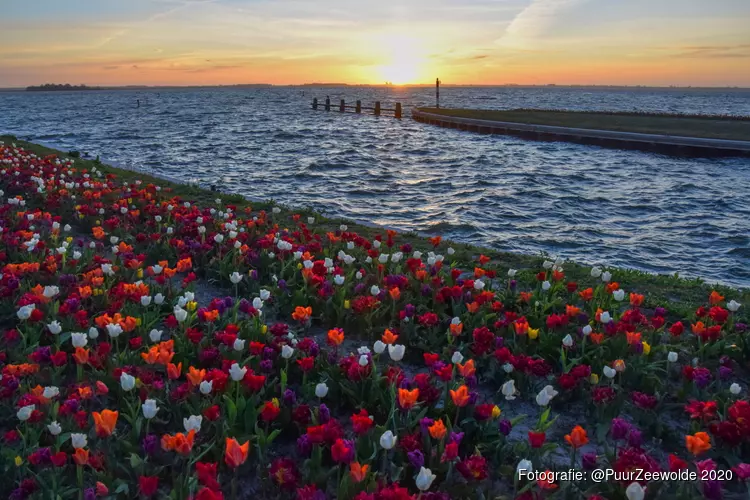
x,y
315,103
328,104
358,109
398,110
342,106
377,108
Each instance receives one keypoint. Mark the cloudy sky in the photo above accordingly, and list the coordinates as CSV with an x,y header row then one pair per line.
x,y
121,42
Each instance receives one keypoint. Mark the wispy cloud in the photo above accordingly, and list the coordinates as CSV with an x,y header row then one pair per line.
x,y
534,20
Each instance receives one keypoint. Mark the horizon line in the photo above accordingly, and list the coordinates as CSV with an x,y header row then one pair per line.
x,y
343,84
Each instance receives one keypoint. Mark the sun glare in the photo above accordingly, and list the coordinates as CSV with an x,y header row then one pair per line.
x,y
403,60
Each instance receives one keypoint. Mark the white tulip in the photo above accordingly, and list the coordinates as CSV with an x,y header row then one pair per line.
x,y
733,305
587,330
374,290
51,392
596,272
545,395
457,357
450,251
363,360
146,300
93,333
379,347
155,335
618,294
735,389
286,352
78,339
526,466
264,294
149,408
606,276
388,440
605,317
609,372
635,491
78,440
512,272
257,303
193,423
508,368
206,387
509,390
547,264
396,352
158,299
235,277
54,328
54,428
338,279
546,285
424,479
180,314
236,372
567,341
24,413
672,357
239,345
321,390
50,291
127,382
25,312
114,330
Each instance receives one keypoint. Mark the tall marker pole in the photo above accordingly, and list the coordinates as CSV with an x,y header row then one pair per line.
x,y
437,93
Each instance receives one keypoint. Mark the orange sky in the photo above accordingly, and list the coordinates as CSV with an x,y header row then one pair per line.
x,y
182,42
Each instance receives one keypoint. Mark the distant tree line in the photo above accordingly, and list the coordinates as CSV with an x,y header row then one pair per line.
x,y
60,86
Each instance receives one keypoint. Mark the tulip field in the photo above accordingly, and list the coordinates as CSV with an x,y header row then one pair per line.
x,y
159,341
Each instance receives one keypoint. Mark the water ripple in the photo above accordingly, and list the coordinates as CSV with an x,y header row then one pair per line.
x,y
599,206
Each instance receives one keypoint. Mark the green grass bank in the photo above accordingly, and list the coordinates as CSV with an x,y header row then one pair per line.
x,y
681,295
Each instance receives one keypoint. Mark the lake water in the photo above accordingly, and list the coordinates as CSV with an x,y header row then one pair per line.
x,y
598,206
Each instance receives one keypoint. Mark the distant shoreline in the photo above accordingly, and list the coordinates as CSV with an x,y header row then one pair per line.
x,y
327,85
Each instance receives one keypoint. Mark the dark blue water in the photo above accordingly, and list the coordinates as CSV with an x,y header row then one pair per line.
x,y
598,206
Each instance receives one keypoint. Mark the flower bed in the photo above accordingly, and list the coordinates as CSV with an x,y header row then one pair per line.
x,y
156,347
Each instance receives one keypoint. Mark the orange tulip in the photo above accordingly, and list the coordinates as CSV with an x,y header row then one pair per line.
x,y
179,443
336,336
389,337
210,316
407,398
437,429
577,437
698,327
467,369
633,337
302,314
698,443
456,329
715,298
81,356
636,299
81,456
358,472
105,422
174,371
572,311
472,307
235,453
461,396
195,376
395,293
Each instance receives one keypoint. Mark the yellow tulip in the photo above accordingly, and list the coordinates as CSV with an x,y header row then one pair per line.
x,y
533,333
